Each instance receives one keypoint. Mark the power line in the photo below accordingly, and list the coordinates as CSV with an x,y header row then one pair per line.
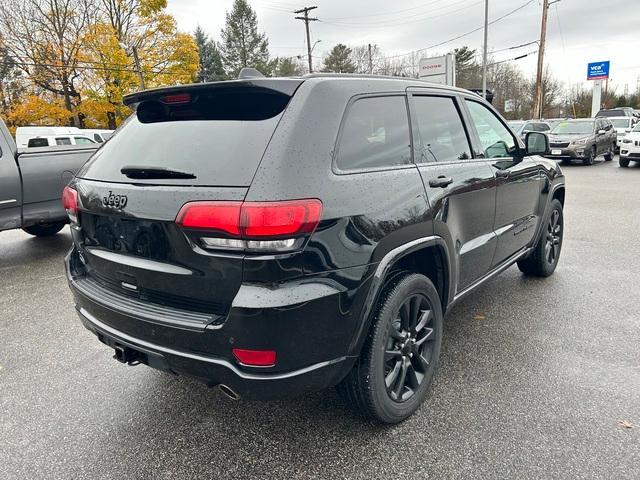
x,y
19,64
397,21
464,34
386,13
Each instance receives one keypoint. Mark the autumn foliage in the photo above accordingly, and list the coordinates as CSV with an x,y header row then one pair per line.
x,y
76,59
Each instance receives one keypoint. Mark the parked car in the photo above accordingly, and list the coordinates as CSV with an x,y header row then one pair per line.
x,y
616,112
99,136
630,147
522,128
317,242
33,137
583,139
31,183
623,125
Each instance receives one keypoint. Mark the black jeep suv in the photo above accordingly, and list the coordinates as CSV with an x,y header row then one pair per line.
x,y
277,236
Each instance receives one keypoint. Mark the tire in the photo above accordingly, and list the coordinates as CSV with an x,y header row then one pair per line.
x,y
545,256
391,378
610,153
591,158
45,230
623,161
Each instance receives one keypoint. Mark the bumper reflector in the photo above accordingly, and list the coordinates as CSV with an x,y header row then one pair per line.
x,y
255,358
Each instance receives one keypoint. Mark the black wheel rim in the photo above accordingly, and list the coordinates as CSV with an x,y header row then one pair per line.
x,y
554,235
409,348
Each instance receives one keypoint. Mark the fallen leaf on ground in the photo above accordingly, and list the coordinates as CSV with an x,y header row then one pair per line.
x,y
625,424
479,316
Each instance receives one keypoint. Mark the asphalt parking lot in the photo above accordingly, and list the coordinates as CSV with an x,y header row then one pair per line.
x,y
535,378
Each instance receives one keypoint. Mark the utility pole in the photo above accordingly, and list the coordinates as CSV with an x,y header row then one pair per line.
x,y
537,97
484,49
370,69
136,61
306,19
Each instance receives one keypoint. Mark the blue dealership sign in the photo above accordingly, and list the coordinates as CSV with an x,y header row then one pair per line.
x,y
598,70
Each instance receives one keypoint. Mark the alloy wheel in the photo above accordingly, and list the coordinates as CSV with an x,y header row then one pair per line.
x,y
554,231
409,348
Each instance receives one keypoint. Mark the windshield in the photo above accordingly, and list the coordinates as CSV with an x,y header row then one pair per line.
x,y
568,128
620,122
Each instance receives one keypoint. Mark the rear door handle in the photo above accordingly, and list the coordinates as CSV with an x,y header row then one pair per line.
x,y
440,182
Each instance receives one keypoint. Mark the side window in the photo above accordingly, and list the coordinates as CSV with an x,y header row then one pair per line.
x,y
495,138
375,134
442,134
38,142
82,140
63,141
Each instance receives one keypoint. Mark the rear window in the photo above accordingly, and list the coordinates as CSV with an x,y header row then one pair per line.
x,y
38,142
612,113
217,136
375,134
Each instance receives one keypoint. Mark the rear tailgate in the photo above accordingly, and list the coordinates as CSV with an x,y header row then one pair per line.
x,y
184,145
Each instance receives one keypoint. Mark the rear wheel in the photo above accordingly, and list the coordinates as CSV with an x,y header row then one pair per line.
x,y
399,358
45,229
610,153
624,162
544,259
591,156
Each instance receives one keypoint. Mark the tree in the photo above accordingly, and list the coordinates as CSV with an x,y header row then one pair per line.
x,y
11,82
361,60
126,29
468,71
210,69
242,45
339,60
287,67
44,37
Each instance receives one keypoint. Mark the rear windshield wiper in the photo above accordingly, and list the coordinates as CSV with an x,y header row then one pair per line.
x,y
154,173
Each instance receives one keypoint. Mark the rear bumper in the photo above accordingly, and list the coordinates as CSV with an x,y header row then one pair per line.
x,y
310,325
215,371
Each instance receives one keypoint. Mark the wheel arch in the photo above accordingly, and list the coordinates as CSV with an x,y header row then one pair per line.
x,y
428,256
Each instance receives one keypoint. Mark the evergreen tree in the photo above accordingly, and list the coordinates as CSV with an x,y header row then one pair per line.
x,y
242,45
339,60
286,67
211,68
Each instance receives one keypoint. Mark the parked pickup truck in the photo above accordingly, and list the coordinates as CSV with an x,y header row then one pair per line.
x,y
31,183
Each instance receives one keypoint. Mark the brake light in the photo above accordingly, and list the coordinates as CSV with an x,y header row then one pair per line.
x,y
252,225
70,203
255,358
176,98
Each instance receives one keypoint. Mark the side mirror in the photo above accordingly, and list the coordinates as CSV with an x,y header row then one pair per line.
x,y
627,130
601,132
537,143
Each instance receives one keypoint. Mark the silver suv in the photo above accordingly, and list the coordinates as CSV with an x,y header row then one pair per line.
x,y
583,139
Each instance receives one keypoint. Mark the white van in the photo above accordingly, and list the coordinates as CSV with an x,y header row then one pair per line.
x,y
31,137
97,135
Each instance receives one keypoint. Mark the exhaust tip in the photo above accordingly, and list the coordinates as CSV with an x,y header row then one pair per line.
x,y
229,392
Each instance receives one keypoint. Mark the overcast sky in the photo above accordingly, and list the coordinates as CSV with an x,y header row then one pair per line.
x,y
579,31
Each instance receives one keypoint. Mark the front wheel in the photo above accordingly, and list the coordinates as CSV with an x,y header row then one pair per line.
x,y
610,153
391,378
45,229
591,157
543,261
624,162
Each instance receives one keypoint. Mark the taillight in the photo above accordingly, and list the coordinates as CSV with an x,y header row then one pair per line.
x,y
70,203
255,358
254,226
